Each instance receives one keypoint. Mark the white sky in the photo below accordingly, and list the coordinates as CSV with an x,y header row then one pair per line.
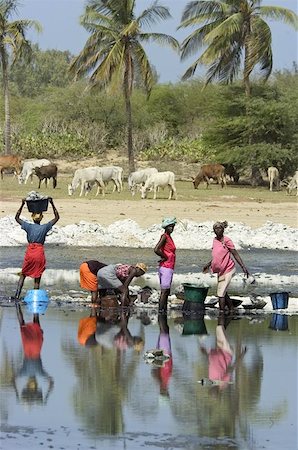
x,y
61,31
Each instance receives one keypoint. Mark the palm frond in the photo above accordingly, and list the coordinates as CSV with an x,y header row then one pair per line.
x,y
160,38
143,66
226,29
279,13
195,40
200,8
153,15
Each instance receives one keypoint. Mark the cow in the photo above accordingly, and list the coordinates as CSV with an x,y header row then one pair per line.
x,y
273,177
207,171
110,173
28,169
159,179
231,171
45,173
87,177
10,162
293,184
138,178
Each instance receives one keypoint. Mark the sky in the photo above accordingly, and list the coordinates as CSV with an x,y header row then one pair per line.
x,y
62,31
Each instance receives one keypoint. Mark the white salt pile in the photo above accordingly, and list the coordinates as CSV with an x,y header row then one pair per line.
x,y
127,233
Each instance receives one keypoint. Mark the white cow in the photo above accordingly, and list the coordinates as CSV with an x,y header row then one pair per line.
x,y
28,169
273,176
293,184
87,177
159,179
110,173
137,179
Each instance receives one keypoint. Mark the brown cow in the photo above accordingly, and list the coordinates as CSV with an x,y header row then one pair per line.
x,y
45,173
207,171
10,162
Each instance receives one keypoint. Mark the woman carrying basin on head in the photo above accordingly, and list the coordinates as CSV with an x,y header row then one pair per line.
x,y
166,249
223,264
118,277
34,262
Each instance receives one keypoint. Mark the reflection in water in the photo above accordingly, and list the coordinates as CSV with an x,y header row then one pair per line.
x,y
31,382
104,390
162,371
104,370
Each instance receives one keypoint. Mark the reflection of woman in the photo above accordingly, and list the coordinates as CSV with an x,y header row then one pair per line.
x,y
164,372
166,249
220,358
118,277
124,339
34,261
32,383
88,277
223,264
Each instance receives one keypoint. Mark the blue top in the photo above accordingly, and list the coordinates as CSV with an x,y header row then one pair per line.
x,y
36,233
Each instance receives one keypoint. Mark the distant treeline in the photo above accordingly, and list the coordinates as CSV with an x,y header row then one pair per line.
x,y
53,116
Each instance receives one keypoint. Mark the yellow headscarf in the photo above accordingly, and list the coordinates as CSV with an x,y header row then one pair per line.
x,y
142,266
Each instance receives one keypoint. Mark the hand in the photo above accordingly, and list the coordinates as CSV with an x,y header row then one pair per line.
x,y
23,201
246,272
51,200
206,268
162,260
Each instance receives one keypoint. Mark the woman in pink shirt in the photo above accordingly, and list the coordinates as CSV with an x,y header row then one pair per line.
x,y
223,264
166,249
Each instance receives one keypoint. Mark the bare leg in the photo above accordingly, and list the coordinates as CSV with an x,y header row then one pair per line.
x,y
163,300
36,283
20,286
36,319
229,302
20,314
94,296
222,303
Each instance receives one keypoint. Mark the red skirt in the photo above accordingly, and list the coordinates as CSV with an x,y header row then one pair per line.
x,y
34,261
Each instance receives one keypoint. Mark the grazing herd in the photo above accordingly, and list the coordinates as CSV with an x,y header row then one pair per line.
x,y
143,180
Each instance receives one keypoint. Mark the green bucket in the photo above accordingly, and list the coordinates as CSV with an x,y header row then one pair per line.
x,y
195,293
194,327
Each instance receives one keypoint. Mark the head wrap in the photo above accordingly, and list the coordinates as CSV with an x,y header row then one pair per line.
x,y
37,216
223,224
168,221
142,266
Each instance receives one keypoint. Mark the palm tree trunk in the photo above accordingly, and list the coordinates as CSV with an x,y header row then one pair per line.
x,y
127,95
7,134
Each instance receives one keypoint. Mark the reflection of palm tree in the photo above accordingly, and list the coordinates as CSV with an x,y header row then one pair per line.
x,y
105,376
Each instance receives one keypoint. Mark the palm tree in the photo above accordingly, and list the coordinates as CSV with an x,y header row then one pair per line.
x,y
232,32
113,54
13,46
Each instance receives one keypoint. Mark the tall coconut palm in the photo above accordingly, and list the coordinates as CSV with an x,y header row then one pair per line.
x,y
113,53
233,34
13,46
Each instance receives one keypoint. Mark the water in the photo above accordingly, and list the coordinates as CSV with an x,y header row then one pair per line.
x,y
282,262
101,397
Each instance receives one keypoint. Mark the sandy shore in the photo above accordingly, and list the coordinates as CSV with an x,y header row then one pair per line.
x,y
149,212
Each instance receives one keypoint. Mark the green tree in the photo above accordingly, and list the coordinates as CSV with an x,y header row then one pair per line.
x,y
13,46
231,32
113,54
47,68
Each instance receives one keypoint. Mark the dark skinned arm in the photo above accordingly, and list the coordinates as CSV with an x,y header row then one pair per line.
x,y
158,248
17,216
207,267
124,287
239,261
56,214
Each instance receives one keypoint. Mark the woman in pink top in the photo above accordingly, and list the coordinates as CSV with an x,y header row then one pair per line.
x,y
223,264
166,249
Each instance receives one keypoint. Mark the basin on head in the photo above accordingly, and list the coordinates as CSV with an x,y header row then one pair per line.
x,y
37,206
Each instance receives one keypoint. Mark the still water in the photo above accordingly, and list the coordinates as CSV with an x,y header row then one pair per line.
x,y
106,396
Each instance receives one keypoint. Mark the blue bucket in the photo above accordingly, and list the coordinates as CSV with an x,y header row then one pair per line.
x,y
279,300
37,301
279,322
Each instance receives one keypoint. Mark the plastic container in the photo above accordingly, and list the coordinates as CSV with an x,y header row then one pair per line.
x,y
37,206
195,293
279,300
279,322
194,327
37,301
